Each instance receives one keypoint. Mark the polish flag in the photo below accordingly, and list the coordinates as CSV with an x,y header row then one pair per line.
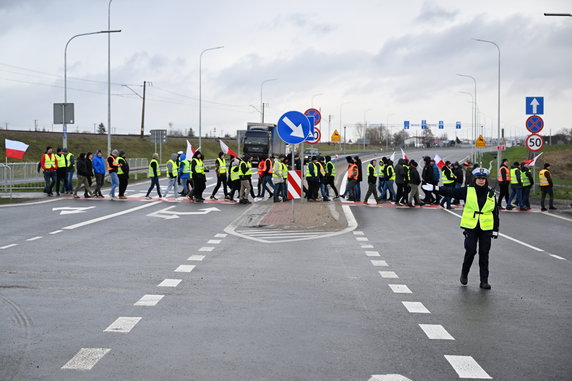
x,y
404,155
440,163
392,157
15,149
190,151
226,149
532,162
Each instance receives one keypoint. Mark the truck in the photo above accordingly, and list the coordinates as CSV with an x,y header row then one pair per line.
x,y
262,139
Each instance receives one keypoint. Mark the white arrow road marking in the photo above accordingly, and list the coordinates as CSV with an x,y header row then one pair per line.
x,y
72,210
297,130
534,105
168,214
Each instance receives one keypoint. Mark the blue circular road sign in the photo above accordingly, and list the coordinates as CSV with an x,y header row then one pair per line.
x,y
293,127
534,124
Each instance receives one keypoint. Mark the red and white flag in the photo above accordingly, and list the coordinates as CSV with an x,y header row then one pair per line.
x,y
226,149
440,163
404,155
532,162
190,151
15,149
392,157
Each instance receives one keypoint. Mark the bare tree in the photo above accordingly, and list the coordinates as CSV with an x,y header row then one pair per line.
x,y
399,138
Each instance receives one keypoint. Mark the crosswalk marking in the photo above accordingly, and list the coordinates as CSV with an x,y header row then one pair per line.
x,y
366,246
123,324
467,367
400,289
185,268
169,283
213,241
416,308
207,248
362,239
372,253
149,300
271,235
436,332
86,358
388,274
196,258
357,232
379,263
220,235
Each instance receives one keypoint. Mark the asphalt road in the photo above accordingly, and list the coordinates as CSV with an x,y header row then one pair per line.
x,y
304,310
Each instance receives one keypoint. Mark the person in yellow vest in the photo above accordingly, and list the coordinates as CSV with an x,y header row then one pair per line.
x,y
267,178
185,178
245,176
527,183
49,164
199,178
221,179
516,186
122,174
480,221
503,178
62,172
70,169
153,174
546,186
448,179
278,177
172,173
331,177
112,168
235,175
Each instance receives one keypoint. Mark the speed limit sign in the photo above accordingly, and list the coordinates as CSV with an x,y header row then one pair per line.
x,y
534,142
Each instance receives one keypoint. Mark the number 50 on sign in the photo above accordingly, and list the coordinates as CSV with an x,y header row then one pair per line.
x,y
534,142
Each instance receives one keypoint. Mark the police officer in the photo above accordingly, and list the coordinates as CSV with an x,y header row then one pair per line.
x,y
331,176
546,185
480,221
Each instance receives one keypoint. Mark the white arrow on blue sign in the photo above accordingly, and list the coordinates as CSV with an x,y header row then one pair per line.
x,y
441,125
458,125
406,125
534,105
293,127
423,124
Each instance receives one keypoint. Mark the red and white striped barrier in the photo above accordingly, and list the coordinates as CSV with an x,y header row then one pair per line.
x,y
294,184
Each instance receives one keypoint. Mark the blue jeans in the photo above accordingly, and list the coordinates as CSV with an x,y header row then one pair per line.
x,y
380,185
267,179
388,185
526,196
172,184
154,183
324,190
518,193
447,199
278,190
50,179
358,191
114,183
69,178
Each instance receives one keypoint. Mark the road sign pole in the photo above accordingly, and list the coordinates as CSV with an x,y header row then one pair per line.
x,y
293,164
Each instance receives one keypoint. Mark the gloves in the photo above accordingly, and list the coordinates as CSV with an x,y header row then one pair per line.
x,y
429,188
495,235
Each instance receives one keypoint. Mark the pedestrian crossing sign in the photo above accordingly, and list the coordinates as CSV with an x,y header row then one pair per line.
x,y
481,142
336,137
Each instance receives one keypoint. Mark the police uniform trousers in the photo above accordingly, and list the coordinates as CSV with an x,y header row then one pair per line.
x,y
483,239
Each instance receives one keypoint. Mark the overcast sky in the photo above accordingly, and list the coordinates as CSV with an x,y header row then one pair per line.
x,y
389,60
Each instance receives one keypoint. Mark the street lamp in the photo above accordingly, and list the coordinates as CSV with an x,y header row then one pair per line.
x,y
65,127
314,96
498,103
558,14
472,102
388,132
341,105
474,122
200,88
365,127
109,79
262,104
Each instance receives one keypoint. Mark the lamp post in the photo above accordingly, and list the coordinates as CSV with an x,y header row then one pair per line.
x,y
261,103
200,89
498,101
365,126
65,127
388,132
314,96
472,103
474,122
558,14
341,105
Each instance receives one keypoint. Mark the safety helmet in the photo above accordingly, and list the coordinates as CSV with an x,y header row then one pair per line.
x,y
480,172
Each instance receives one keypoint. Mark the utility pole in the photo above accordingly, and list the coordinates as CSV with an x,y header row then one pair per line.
x,y
143,111
36,125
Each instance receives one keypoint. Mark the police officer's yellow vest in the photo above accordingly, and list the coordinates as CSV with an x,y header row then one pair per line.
x,y
235,173
221,165
199,166
472,215
311,172
284,171
249,166
49,161
543,180
61,159
174,169
391,172
68,159
150,173
524,179
380,170
120,161
331,168
277,168
513,172
186,167
370,166
445,179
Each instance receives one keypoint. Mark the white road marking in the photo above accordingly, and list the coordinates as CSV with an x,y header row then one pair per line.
x,y
86,358
416,308
467,367
357,232
8,246
56,232
558,257
31,203
103,218
149,300
436,332
137,195
196,258
362,239
556,216
34,238
185,268
169,283
206,248
220,235
372,253
388,377
379,263
213,241
400,289
366,246
123,324
388,274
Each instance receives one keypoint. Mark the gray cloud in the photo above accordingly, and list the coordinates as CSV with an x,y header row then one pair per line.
x,y
303,21
432,13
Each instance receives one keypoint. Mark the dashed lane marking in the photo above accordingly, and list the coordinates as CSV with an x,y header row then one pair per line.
x,y
196,258
388,274
149,300
213,241
123,324
169,283
86,358
379,263
362,239
56,232
8,246
436,332
366,246
220,235
400,289
416,308
185,268
558,257
34,238
372,253
357,232
467,367
207,248
388,377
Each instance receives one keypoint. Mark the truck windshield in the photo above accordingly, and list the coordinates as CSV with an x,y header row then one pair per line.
x,y
255,141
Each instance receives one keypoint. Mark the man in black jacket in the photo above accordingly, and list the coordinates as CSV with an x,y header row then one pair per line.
x,y
427,177
371,183
414,182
